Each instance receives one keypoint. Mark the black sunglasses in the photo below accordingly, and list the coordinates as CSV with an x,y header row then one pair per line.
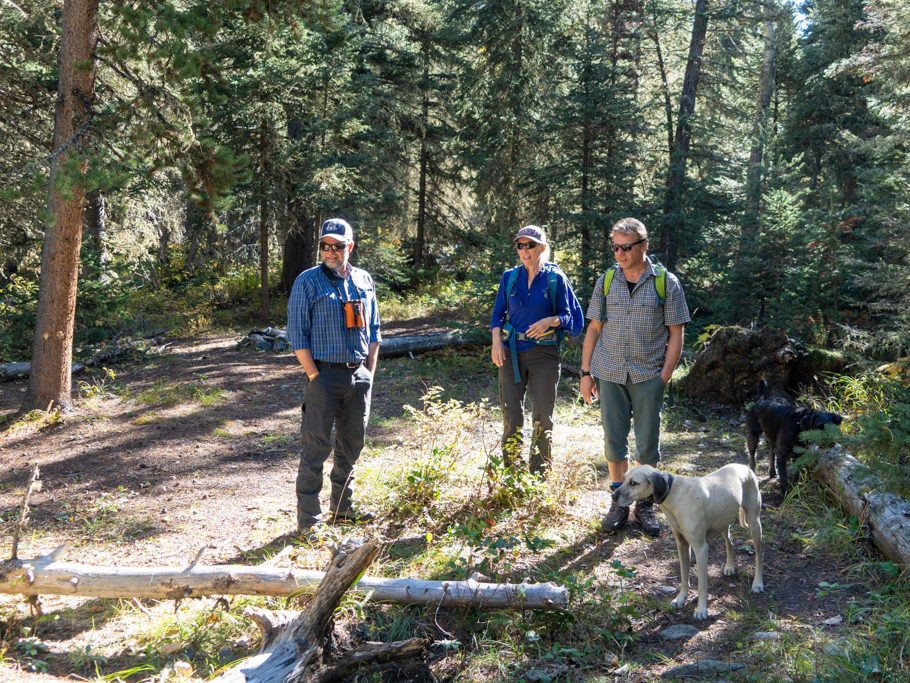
x,y
624,247
525,245
337,248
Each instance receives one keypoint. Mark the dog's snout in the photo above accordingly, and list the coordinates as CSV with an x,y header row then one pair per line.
x,y
615,495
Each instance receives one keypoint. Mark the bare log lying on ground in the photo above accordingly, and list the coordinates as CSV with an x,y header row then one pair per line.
x,y
10,371
421,343
46,576
294,651
858,490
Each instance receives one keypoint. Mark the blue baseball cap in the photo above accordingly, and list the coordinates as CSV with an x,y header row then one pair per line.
x,y
338,228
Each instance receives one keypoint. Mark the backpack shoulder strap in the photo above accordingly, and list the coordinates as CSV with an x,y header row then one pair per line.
x,y
660,280
660,284
511,284
608,281
552,286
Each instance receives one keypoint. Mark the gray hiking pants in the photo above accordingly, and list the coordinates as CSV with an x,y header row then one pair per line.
x,y
539,369
339,396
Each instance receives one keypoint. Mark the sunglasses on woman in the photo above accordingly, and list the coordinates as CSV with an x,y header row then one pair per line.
x,y
624,247
525,245
337,248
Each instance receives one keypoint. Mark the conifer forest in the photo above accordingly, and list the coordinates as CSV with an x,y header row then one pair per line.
x,y
764,145
166,165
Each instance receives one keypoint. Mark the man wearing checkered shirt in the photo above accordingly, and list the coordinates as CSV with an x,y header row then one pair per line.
x,y
333,326
633,343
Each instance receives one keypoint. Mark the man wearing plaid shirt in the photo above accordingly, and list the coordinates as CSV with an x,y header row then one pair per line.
x,y
333,326
632,345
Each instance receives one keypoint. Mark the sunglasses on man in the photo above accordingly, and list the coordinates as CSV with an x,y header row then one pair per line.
x,y
337,248
625,247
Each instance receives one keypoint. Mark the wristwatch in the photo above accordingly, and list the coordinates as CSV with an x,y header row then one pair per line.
x,y
585,373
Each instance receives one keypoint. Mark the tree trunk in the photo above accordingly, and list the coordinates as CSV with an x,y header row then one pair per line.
x,y
50,381
676,174
264,137
765,89
95,222
46,576
297,255
665,89
420,247
858,490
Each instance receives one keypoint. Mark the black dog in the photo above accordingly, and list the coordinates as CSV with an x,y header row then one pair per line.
x,y
781,425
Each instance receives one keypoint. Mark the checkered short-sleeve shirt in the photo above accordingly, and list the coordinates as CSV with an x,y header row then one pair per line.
x,y
633,340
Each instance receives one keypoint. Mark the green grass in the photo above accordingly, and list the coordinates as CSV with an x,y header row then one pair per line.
x,y
168,393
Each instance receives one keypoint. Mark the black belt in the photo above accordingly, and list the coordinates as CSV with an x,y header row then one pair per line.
x,y
349,366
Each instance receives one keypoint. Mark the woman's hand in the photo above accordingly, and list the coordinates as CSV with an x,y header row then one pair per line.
x,y
498,353
542,326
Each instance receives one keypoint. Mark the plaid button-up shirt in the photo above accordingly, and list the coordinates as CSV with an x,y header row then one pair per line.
x,y
633,340
316,315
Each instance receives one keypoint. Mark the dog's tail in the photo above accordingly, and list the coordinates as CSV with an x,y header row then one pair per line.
x,y
752,497
762,389
743,522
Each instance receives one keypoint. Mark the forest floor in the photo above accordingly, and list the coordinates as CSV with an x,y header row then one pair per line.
x,y
195,444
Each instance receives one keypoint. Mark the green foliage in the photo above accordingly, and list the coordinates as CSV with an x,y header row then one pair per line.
x,y
18,301
878,431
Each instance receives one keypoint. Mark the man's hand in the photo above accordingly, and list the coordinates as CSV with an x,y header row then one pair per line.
x,y
588,388
498,353
542,326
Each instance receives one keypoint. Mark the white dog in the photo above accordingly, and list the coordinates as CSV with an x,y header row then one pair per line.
x,y
699,509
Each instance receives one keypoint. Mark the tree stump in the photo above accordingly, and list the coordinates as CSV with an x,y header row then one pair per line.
x,y
733,362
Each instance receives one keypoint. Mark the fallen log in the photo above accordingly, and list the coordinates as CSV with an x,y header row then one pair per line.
x,y
858,490
46,575
392,347
295,650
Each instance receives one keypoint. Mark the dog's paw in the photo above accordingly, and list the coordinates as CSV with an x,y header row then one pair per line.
x,y
678,602
729,571
758,587
700,614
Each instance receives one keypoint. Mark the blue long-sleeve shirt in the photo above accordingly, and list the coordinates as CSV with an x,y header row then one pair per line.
x,y
316,314
526,305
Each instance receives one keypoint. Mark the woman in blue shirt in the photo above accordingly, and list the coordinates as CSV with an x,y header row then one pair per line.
x,y
535,307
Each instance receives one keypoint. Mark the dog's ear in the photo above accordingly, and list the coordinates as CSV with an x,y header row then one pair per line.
x,y
659,485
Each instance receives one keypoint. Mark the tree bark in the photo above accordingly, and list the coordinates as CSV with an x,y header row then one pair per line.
x,y
46,576
858,490
676,174
50,382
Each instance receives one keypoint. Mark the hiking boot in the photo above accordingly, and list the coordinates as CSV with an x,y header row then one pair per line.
x,y
617,516
306,532
644,513
353,515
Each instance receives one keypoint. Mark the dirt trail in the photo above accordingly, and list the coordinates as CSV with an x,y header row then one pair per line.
x,y
198,448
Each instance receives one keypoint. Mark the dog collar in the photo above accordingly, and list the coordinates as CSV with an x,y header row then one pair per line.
x,y
666,493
